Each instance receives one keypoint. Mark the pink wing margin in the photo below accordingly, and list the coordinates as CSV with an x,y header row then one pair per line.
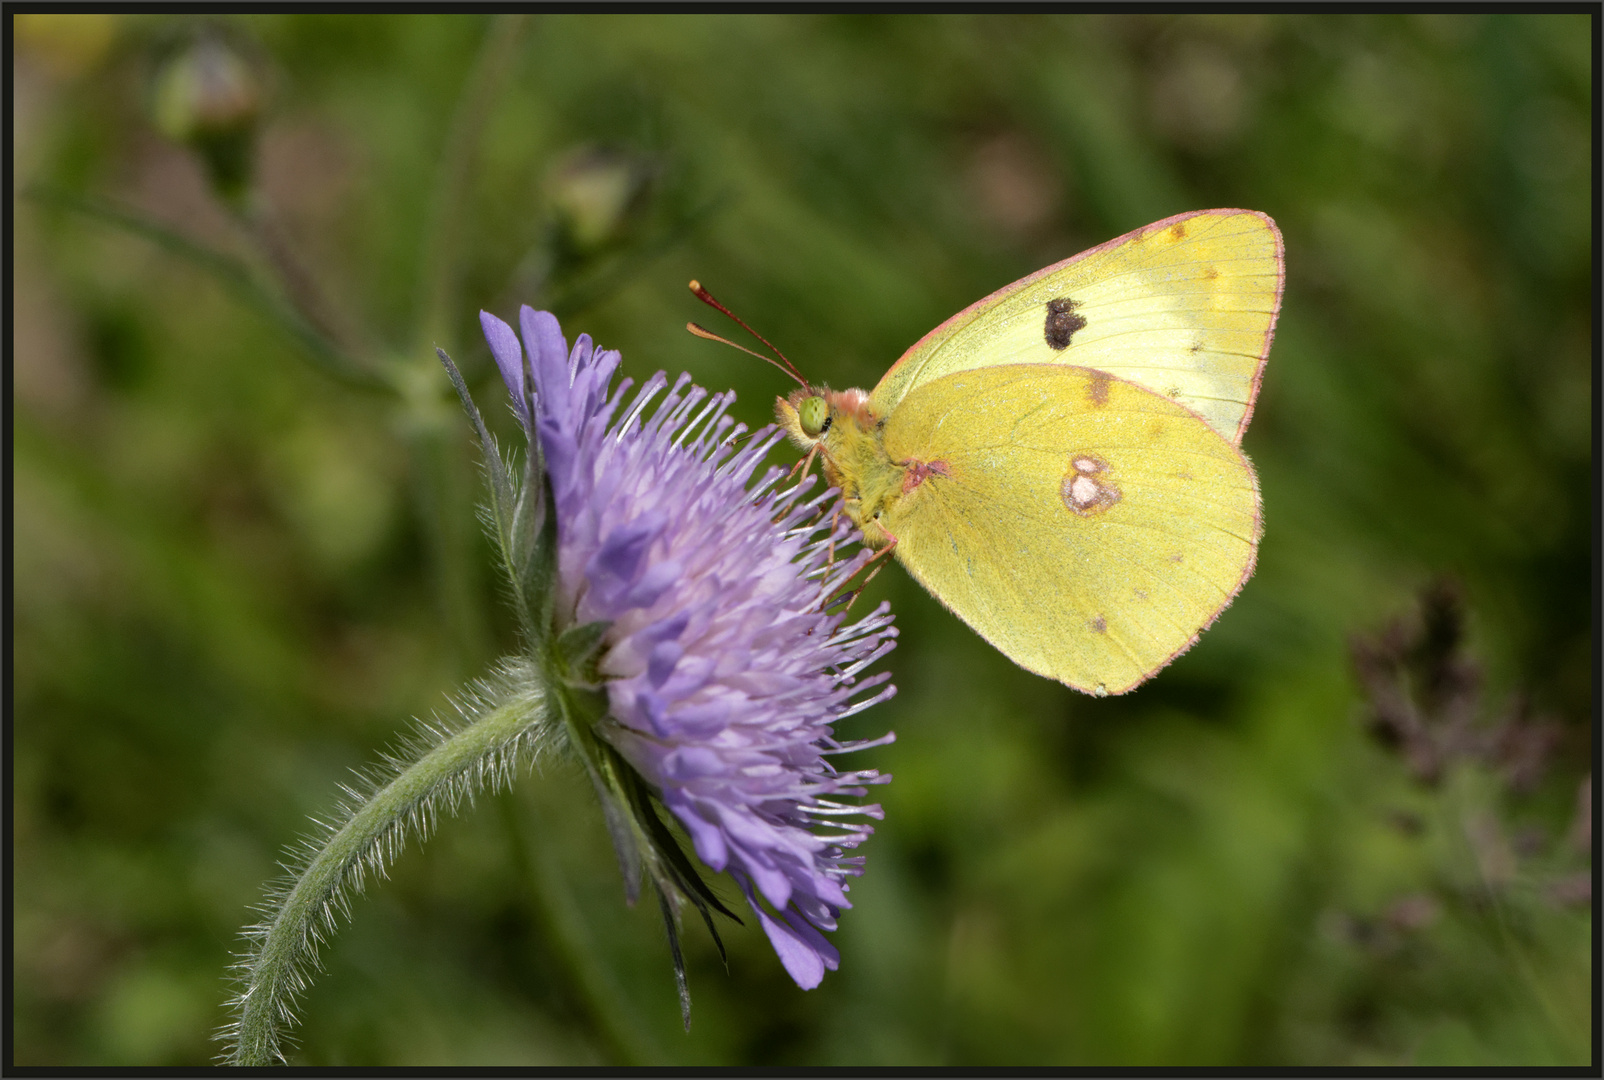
x,y
1135,234
1247,571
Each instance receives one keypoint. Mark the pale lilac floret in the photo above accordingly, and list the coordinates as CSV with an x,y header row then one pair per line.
x,y
724,672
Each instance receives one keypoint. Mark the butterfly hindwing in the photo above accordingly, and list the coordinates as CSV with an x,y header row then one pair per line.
x,y
1086,526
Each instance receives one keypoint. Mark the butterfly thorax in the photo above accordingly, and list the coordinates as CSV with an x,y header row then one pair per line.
x,y
845,434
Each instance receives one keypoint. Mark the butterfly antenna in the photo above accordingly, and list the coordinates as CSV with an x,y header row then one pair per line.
x,y
703,332
707,298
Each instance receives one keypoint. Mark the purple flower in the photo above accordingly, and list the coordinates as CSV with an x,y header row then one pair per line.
x,y
723,669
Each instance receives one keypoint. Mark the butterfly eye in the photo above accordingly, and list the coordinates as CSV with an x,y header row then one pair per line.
x,y
814,415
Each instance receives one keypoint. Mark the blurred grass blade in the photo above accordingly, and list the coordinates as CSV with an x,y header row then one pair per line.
x,y
606,1002
439,266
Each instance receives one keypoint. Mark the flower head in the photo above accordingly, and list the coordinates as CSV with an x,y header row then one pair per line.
x,y
722,663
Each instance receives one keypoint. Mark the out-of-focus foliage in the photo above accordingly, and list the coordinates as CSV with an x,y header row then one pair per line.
x,y
237,576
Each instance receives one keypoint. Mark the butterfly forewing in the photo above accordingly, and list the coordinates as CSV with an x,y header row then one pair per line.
x,y
1085,526
1185,307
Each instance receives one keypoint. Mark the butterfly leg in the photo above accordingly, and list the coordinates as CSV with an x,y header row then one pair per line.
x,y
877,561
835,521
805,464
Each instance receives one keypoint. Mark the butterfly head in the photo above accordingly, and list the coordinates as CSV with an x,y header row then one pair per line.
x,y
813,415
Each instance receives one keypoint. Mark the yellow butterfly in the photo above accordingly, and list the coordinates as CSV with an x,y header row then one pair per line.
x,y
1059,463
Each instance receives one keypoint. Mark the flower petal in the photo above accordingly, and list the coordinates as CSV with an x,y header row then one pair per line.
x,y
510,359
802,961
548,359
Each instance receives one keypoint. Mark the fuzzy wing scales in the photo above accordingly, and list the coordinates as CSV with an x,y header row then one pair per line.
x,y
1185,307
1087,527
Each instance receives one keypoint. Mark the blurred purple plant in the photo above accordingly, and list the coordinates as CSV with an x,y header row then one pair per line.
x,y
1425,700
1423,692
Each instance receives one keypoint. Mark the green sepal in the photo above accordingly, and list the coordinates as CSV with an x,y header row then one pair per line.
x,y
520,518
576,649
501,491
622,830
682,873
582,710
680,982
536,538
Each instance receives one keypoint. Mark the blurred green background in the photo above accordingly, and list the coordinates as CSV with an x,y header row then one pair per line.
x,y
244,558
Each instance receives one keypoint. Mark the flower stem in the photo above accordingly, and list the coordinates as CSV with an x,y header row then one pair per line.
x,y
276,974
229,272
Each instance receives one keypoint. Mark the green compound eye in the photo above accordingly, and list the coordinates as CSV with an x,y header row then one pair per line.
x,y
814,415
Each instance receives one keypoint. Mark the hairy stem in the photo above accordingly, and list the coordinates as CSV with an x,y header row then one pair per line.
x,y
482,752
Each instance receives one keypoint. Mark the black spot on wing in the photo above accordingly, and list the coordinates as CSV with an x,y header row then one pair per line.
x,y
1062,323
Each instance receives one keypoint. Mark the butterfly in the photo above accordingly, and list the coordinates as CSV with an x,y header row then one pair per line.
x,y
1060,463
